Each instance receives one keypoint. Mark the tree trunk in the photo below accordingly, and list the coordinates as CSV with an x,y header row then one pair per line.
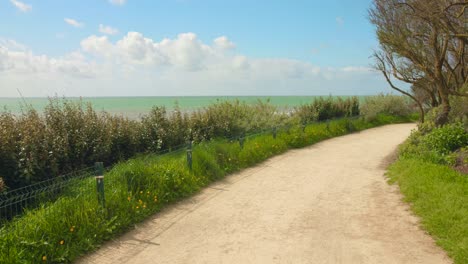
x,y
442,117
421,110
434,102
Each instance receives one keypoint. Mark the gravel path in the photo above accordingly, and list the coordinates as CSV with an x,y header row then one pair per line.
x,y
328,203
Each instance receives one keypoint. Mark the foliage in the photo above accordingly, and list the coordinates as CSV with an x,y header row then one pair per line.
x,y
385,104
72,135
322,109
447,138
436,192
437,145
459,112
423,43
60,231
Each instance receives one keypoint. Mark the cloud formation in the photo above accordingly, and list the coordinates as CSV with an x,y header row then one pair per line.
x,y
183,65
108,30
73,22
17,59
21,6
186,51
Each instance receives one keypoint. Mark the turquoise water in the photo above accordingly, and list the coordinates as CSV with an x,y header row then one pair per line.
x,y
135,106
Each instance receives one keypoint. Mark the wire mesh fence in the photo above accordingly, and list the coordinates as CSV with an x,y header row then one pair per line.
x,y
15,202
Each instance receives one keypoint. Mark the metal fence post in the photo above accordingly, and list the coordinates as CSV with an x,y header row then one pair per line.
x,y
349,125
189,155
99,172
274,132
241,142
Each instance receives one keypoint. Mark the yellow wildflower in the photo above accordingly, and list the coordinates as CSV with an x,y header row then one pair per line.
x,y
62,242
72,229
44,258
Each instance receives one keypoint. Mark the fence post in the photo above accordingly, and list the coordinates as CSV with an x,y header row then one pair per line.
x,y
274,132
350,125
189,155
241,141
99,172
328,124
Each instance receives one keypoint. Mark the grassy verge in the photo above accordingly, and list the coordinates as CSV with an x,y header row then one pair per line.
x,y
439,195
62,230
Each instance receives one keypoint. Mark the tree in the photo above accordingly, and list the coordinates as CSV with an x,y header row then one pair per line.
x,y
423,43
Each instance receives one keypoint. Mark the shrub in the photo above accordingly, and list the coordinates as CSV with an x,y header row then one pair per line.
x,y
459,112
446,139
322,109
384,104
437,145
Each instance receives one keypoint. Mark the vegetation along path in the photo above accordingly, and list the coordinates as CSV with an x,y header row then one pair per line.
x,y
328,203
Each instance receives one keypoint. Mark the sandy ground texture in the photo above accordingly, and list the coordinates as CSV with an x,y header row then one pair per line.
x,y
328,203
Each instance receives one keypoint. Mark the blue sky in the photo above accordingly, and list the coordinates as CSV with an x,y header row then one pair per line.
x,y
276,47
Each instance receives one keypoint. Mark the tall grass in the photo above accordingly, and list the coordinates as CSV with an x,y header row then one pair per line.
x,y
71,135
60,231
328,108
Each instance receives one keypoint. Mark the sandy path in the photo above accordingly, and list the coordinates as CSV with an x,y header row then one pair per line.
x,y
328,203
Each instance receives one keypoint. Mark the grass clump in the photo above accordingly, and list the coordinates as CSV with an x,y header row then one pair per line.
x,y
61,230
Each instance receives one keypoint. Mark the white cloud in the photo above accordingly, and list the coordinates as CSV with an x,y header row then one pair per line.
x,y
183,65
73,22
12,45
357,69
107,30
17,59
21,6
339,21
224,43
98,46
117,2
184,52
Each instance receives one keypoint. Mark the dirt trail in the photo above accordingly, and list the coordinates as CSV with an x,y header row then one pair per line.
x,y
328,203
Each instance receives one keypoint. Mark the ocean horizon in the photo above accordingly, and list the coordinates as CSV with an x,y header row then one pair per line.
x,y
135,106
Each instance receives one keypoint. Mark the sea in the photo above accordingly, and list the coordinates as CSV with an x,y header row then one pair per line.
x,y
134,107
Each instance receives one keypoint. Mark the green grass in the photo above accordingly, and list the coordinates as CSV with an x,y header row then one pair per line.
x,y
439,195
60,231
